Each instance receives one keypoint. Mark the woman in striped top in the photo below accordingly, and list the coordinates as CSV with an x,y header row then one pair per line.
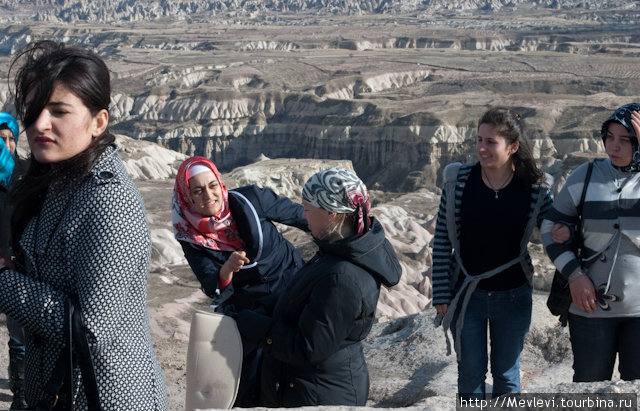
x,y
604,317
481,268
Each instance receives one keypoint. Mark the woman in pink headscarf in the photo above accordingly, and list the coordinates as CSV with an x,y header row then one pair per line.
x,y
232,245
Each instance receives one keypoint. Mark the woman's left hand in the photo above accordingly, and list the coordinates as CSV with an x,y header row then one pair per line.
x,y
635,122
583,293
236,261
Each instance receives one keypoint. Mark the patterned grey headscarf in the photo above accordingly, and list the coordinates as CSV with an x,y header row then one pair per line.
x,y
340,191
623,116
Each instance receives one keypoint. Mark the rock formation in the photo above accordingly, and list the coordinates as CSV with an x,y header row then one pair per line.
x,y
393,86
233,11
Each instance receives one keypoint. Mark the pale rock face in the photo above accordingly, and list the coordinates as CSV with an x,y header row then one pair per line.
x,y
285,177
409,239
147,161
166,251
309,93
234,11
373,83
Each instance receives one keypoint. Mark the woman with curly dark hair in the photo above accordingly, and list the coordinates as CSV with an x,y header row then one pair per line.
x,y
482,271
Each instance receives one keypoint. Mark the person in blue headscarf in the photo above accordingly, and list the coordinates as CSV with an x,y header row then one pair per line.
x,y
8,140
9,132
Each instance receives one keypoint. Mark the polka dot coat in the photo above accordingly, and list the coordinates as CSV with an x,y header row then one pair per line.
x,y
91,239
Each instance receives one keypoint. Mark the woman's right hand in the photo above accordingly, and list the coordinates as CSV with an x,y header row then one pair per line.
x,y
583,293
442,309
560,233
234,263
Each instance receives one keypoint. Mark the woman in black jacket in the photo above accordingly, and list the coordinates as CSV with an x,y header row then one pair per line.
x,y
233,247
311,334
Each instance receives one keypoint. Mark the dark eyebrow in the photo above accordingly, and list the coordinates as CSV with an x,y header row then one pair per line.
x,y
58,103
628,135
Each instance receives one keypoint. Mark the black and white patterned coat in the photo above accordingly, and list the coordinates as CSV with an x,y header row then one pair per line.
x,y
92,241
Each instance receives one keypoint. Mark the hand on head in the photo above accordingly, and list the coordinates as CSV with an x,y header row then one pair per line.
x,y
635,122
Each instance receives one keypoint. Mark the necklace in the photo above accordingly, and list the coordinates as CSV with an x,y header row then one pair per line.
x,y
491,186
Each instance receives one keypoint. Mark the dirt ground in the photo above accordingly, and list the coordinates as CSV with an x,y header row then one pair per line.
x,y
5,393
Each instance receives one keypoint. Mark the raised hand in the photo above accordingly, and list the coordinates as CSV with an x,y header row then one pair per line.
x,y
234,263
635,122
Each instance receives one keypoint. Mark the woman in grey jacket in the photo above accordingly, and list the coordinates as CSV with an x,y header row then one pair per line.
x,y
82,233
604,317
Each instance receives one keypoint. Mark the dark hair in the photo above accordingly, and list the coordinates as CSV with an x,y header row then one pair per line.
x,y
40,67
509,125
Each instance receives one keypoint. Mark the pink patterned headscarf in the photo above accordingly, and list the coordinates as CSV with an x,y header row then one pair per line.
x,y
218,232
340,191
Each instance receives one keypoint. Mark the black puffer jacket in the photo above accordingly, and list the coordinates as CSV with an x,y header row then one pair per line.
x,y
311,337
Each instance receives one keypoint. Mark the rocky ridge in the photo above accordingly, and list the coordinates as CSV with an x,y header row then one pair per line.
x,y
194,10
395,89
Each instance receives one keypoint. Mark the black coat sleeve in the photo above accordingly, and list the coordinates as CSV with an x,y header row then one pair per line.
x,y
280,209
205,264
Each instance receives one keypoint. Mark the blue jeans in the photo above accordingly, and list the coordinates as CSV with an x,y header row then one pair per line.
x,y
595,343
508,315
16,338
